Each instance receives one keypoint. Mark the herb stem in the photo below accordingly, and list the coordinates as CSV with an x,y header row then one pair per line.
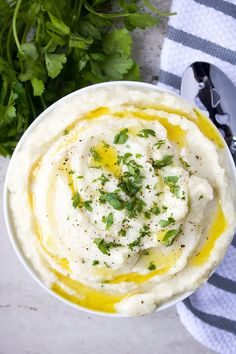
x,y
8,46
43,102
26,30
14,26
38,29
30,102
79,8
158,12
48,45
104,15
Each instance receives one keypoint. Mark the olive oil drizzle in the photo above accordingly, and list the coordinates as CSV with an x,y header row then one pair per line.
x,y
218,226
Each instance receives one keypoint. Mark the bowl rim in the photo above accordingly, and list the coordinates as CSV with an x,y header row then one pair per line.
x,y
25,261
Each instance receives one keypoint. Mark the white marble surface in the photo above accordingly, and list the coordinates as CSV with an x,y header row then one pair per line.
x,y
33,322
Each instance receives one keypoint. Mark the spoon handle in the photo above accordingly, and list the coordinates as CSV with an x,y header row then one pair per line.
x,y
210,98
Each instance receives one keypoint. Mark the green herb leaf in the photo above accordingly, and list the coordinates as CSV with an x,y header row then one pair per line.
x,y
144,133
170,236
76,200
166,161
151,266
80,42
95,154
104,246
171,183
155,209
135,243
59,26
122,232
184,162
54,64
38,86
118,41
115,66
108,220
145,231
171,180
95,262
126,156
164,223
115,201
139,20
29,51
145,253
87,205
160,143
135,206
121,137
103,179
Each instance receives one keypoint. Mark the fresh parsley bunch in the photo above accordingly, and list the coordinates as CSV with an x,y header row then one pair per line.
x,y
49,48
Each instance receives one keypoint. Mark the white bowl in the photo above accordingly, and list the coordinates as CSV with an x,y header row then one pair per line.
x,y
7,214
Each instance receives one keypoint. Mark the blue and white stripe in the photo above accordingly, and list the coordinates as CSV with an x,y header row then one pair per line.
x,y
205,30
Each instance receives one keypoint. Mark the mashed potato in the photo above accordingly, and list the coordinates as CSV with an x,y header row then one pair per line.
x,y
121,199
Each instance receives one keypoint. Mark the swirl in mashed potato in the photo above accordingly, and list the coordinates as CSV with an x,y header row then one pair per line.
x,y
121,200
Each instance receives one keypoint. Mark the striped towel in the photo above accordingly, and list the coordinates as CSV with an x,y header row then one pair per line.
x,y
205,30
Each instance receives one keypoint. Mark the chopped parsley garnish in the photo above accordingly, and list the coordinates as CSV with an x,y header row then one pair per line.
x,y
171,182
106,146
104,246
87,205
184,162
144,133
96,156
108,220
155,209
103,179
164,223
129,186
71,172
121,137
66,131
134,243
122,232
200,197
80,177
126,156
114,200
134,206
145,231
147,214
76,199
170,236
159,143
108,266
138,156
95,262
145,253
151,266
166,161
77,202
131,182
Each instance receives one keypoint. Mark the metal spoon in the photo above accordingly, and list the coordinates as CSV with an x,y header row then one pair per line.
x,y
207,87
